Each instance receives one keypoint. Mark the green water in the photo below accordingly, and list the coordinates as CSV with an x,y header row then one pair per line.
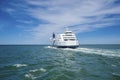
x,y
34,62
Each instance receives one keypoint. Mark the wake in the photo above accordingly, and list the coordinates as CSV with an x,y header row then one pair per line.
x,y
51,47
104,52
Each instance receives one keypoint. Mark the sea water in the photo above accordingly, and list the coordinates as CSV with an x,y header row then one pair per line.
x,y
36,62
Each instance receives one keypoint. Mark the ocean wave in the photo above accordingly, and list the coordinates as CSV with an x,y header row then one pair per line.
x,y
51,47
29,75
113,65
116,74
35,70
20,65
104,52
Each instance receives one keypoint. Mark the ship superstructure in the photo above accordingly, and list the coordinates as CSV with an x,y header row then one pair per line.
x,y
66,40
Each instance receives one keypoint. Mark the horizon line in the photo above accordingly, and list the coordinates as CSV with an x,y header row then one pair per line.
x,y
50,44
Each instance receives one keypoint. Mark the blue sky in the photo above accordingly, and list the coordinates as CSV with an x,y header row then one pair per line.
x,y
33,21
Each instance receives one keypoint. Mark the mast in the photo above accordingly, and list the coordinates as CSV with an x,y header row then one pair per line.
x,y
53,39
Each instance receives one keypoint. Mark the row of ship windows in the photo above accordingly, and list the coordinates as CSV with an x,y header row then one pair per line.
x,y
67,35
69,39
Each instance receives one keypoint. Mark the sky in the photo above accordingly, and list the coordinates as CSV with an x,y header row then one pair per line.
x,y
34,21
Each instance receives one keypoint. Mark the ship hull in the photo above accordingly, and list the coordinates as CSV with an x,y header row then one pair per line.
x,y
73,47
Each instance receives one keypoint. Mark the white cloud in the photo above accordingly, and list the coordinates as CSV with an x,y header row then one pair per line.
x,y
25,21
9,10
76,13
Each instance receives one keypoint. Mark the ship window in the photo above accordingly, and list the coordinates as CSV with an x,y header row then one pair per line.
x,y
68,32
72,39
65,39
68,35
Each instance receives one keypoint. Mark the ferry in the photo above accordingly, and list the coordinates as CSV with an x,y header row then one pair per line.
x,y
65,40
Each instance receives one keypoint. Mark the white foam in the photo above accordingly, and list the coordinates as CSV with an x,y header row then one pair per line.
x,y
30,76
20,65
116,74
31,72
51,47
105,52
113,65
35,70
42,69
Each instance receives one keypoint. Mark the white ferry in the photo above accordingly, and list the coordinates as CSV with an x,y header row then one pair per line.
x,y
65,40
